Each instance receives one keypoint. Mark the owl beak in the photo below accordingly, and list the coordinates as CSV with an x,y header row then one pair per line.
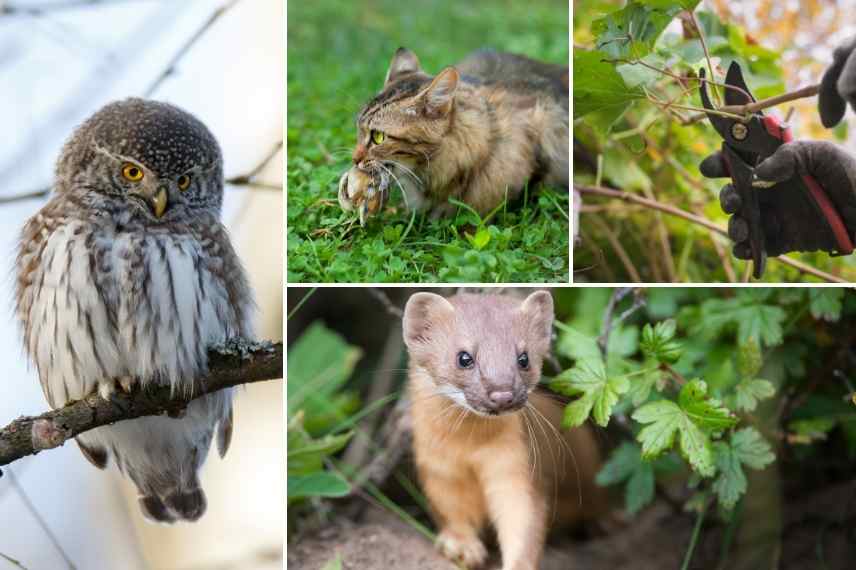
x,y
159,202
157,199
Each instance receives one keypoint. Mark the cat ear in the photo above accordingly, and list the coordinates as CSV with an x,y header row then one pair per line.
x,y
422,314
438,96
404,61
538,309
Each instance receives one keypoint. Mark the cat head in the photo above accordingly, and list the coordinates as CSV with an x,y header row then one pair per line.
x,y
409,117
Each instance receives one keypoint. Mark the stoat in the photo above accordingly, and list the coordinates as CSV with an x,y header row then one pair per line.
x,y
488,444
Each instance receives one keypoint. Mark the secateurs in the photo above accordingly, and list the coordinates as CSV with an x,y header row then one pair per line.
x,y
746,143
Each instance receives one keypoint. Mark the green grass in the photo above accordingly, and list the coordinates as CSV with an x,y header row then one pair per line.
x,y
338,53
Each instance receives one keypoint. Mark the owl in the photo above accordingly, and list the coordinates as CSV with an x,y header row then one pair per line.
x,y
124,278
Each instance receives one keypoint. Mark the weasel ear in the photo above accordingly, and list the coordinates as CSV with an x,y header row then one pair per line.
x,y
421,315
439,96
538,308
404,61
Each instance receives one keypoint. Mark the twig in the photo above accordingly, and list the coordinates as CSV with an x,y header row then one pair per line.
x,y
694,538
618,248
748,109
34,9
236,362
182,51
383,299
704,222
19,490
608,324
704,48
248,179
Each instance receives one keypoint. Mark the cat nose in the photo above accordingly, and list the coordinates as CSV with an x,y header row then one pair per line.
x,y
359,154
501,400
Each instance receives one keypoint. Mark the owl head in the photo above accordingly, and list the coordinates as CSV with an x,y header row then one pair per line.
x,y
149,158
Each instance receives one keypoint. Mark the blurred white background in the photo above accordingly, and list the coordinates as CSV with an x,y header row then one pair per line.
x,y
223,61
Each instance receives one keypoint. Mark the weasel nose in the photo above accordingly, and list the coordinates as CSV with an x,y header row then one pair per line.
x,y
501,400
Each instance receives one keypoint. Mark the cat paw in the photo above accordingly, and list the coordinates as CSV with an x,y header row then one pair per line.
x,y
467,550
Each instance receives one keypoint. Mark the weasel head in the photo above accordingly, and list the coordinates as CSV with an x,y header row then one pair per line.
x,y
483,352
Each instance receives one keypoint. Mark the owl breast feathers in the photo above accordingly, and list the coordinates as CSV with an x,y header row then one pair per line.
x,y
127,276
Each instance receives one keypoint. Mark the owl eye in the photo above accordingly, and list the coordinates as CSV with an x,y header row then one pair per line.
x,y
132,172
377,137
183,182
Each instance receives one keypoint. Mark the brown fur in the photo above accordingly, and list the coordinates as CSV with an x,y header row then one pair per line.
x,y
477,132
517,469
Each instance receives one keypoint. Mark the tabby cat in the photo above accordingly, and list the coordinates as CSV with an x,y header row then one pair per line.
x,y
477,132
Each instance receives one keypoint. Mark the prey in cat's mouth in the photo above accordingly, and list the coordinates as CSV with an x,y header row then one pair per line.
x,y
366,192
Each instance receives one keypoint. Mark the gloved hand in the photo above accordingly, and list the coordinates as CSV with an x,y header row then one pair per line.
x,y
790,221
838,85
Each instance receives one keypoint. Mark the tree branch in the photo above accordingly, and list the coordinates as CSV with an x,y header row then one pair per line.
x,y
704,222
236,362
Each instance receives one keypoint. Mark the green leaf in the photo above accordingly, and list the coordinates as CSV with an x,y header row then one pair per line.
x,y
642,384
317,485
747,313
334,564
657,342
309,456
599,392
752,449
749,358
626,464
826,302
750,392
480,240
640,488
632,31
746,447
690,420
319,364
598,87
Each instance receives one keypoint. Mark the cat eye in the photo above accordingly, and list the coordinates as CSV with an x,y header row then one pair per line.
x,y
465,360
523,361
132,172
377,137
183,182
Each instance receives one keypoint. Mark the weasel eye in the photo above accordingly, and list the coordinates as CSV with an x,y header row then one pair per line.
x,y
523,361
183,182
377,137
465,360
132,172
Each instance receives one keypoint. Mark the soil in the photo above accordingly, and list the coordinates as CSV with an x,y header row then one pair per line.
x,y
817,532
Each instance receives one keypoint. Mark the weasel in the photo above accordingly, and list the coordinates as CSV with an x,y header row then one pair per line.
x,y
487,443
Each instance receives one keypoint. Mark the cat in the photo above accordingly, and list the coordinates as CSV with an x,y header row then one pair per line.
x,y
478,132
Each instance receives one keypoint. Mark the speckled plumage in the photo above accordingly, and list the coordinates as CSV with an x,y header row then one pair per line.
x,y
111,293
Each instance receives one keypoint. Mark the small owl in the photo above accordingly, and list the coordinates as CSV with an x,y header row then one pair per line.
x,y
127,276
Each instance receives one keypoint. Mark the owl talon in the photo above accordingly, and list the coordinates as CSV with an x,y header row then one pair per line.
x,y
126,383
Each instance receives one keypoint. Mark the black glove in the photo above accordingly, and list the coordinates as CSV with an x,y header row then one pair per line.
x,y
838,85
789,219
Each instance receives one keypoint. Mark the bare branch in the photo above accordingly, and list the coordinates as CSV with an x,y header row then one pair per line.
x,y
383,299
231,364
608,323
248,179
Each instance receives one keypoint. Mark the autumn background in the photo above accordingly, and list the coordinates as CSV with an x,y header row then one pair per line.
x,y
624,141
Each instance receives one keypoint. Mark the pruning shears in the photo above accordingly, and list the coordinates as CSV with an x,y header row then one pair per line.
x,y
746,143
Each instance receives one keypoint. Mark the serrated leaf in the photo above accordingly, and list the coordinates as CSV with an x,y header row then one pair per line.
x,y
708,413
690,420
625,464
632,31
657,342
747,312
826,302
642,384
745,447
640,488
598,88
599,392
750,392
625,459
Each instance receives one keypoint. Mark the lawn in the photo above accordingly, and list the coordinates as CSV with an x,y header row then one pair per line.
x,y
338,53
